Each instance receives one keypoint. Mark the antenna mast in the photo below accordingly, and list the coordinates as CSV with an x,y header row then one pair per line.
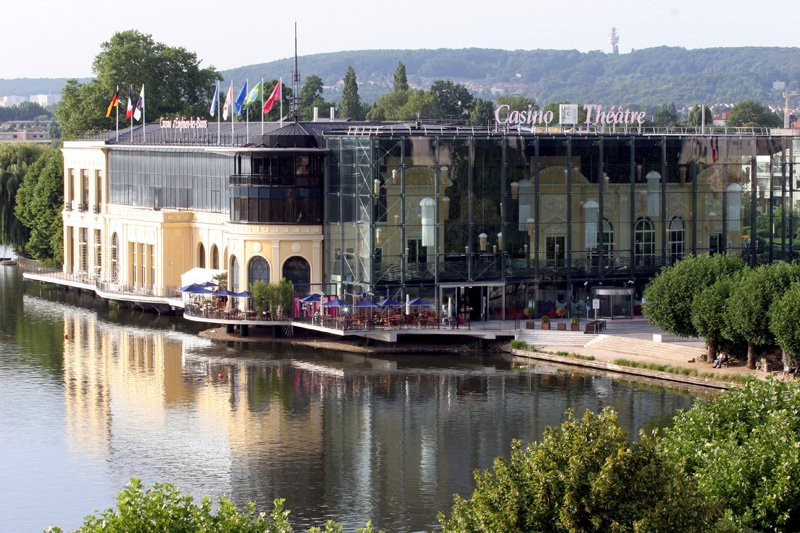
x,y
295,81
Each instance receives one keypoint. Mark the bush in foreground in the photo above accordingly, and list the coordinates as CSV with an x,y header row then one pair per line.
x,y
165,508
584,476
743,449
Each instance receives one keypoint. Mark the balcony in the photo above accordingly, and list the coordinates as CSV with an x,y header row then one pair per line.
x,y
83,207
96,209
68,205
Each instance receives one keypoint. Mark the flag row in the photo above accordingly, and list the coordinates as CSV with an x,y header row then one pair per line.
x,y
237,105
245,98
134,112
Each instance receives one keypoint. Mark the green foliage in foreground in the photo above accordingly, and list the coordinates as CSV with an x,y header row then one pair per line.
x,y
584,476
165,508
743,449
40,199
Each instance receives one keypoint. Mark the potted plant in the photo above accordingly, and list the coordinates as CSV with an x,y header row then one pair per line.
x,y
545,322
575,323
528,312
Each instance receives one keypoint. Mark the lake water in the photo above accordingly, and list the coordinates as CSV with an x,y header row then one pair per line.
x,y
90,397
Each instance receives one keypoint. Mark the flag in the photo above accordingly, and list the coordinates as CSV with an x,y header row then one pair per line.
x,y
254,95
226,107
137,113
114,103
273,97
215,101
238,104
129,109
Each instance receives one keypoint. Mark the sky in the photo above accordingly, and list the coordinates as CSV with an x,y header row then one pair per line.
x,y
60,38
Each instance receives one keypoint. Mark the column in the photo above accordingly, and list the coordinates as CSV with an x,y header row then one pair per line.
x,y
275,269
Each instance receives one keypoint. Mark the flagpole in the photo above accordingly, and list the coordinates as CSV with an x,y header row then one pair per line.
x,y
117,117
247,112
232,110
262,106
280,82
219,124
144,120
130,137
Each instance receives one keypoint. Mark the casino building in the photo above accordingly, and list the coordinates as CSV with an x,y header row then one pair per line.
x,y
490,221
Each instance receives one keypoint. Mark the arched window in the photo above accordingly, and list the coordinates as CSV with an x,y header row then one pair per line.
x,y
214,257
606,238
201,256
234,274
677,239
644,241
114,258
297,270
257,269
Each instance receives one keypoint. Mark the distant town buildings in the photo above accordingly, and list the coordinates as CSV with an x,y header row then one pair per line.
x,y
43,100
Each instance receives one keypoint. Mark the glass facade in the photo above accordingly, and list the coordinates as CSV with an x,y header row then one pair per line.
x,y
538,220
170,179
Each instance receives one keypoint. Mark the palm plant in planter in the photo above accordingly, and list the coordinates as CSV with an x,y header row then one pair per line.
x,y
560,312
528,312
545,322
575,323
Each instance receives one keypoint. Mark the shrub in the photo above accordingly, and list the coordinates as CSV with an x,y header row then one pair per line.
x,y
742,448
585,476
519,344
545,319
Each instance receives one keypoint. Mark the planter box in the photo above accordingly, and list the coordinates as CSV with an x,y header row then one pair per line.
x,y
545,325
530,324
562,326
575,327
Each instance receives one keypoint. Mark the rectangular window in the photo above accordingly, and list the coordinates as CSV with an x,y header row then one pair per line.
x,y
98,253
83,245
555,246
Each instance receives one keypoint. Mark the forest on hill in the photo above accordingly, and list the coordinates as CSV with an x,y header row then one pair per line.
x,y
649,77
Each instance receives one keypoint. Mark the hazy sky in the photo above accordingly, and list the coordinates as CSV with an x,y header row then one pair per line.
x,y
59,38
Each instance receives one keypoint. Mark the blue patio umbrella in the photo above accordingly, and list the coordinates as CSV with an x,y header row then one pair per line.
x,y
335,302
199,290
223,292
365,303
208,284
189,287
310,298
389,302
419,302
243,294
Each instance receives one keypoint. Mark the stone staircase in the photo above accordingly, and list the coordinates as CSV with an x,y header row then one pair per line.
x,y
627,346
539,337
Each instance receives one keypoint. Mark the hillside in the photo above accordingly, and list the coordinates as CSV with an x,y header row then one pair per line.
x,y
651,76
29,86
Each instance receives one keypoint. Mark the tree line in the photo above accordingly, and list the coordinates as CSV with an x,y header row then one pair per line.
x,y
741,309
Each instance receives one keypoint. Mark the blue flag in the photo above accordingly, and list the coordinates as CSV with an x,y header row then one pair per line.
x,y
238,104
215,101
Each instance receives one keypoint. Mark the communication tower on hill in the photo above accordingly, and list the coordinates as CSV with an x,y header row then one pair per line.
x,y
613,40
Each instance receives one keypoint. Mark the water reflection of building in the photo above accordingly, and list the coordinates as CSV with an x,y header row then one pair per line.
x,y
339,436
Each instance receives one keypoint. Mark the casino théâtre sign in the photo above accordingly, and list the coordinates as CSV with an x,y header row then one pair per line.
x,y
596,115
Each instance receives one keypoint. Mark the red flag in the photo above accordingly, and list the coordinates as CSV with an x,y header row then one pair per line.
x,y
129,109
273,97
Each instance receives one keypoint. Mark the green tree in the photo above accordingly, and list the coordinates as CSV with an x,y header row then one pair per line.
x,y
311,97
784,322
585,476
350,104
40,199
742,450
400,79
174,83
696,119
451,100
519,102
749,113
403,105
666,116
482,112
15,159
751,299
260,295
280,298
165,508
709,312
670,295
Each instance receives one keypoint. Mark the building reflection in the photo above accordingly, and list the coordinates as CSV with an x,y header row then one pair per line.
x,y
340,436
